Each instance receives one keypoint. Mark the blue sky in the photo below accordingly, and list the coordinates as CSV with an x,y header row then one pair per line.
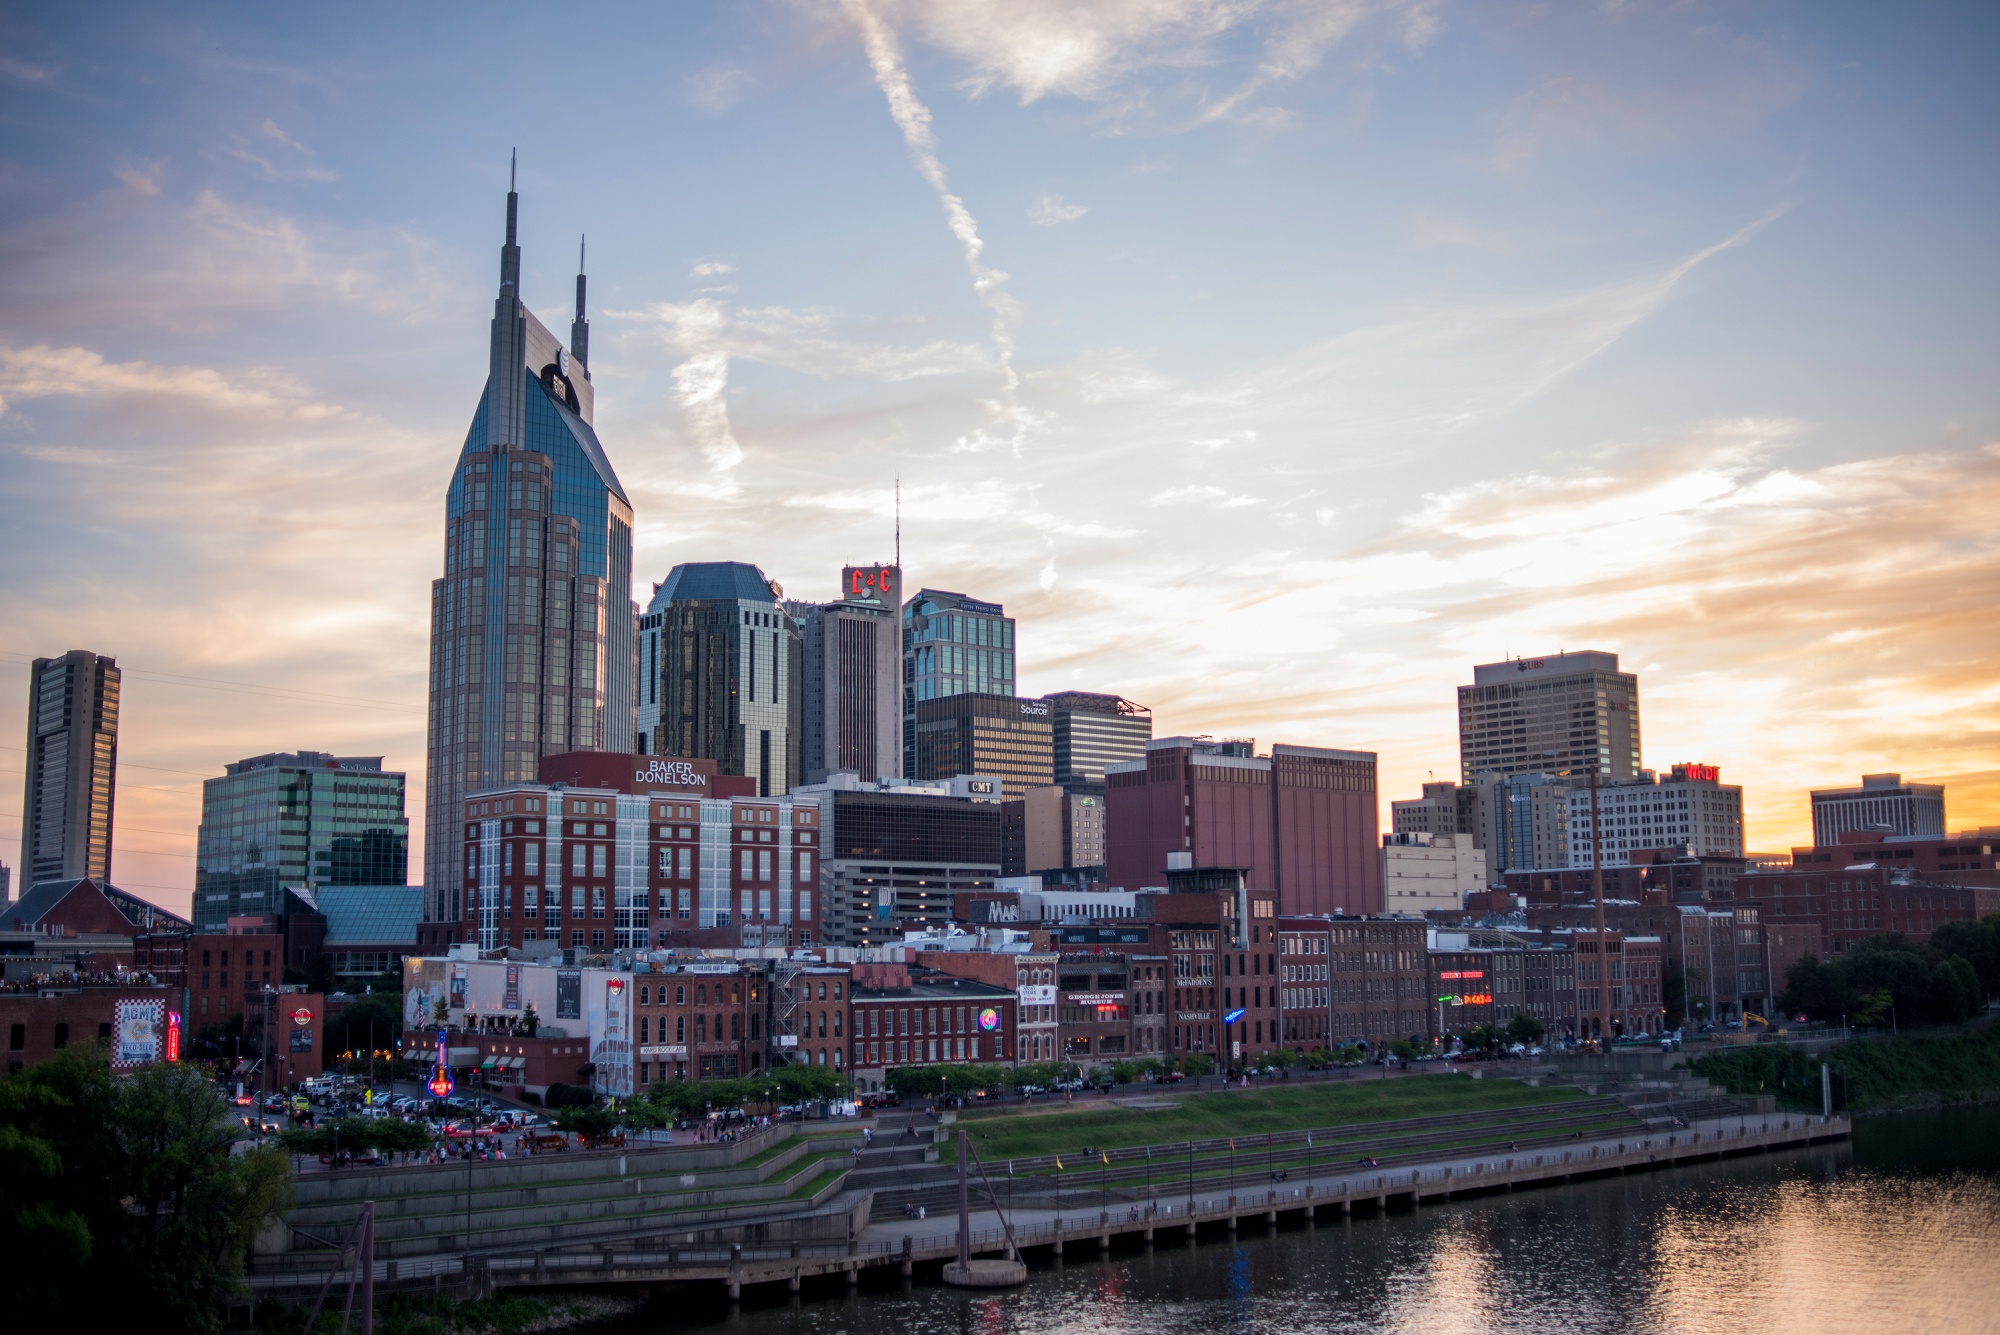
x,y
1310,353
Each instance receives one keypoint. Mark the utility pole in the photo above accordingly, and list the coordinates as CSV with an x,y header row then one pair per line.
x,y
1603,952
368,1269
964,1206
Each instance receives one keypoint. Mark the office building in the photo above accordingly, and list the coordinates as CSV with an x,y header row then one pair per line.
x,y
853,677
1445,808
532,624
952,644
897,854
1882,804
1691,810
1421,872
1062,828
731,666
1301,821
619,852
1520,820
72,769
975,733
1563,715
1090,731
295,819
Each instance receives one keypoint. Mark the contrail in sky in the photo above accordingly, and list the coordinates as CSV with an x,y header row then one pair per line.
x,y
885,57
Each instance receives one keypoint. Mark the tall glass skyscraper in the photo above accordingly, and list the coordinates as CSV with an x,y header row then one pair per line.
x,y
723,666
532,625
952,645
72,769
295,819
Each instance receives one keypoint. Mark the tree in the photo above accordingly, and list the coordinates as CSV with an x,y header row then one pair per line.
x,y
374,1018
530,1022
125,1190
1197,1064
1978,944
1524,1029
1816,989
590,1123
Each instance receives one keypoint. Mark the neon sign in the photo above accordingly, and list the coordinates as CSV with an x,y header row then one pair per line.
x,y
173,1036
441,1084
1463,973
989,1018
861,581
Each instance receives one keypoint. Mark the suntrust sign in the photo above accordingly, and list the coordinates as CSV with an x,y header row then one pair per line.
x,y
662,773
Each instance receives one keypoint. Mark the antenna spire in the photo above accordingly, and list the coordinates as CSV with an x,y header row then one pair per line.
x,y
899,521
510,253
579,328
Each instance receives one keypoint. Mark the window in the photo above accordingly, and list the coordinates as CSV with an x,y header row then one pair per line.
x,y
599,859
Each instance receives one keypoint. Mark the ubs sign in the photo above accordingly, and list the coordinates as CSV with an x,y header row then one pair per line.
x,y
663,773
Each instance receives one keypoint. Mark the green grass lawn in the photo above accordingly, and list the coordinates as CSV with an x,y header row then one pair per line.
x,y
1024,1132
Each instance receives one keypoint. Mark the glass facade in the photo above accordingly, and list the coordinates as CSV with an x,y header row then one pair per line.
x,y
730,665
952,645
532,624
306,819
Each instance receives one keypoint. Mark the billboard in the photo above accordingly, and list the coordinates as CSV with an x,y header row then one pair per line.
x,y
569,994
137,1030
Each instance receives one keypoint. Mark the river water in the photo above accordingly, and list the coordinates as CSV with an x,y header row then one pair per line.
x,y
1898,1230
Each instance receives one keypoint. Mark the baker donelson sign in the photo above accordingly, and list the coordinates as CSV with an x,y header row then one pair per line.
x,y
670,774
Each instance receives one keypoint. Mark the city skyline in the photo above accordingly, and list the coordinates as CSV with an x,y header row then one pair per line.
x,y
1271,375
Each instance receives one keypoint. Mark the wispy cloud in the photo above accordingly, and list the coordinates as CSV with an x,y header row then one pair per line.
x,y
1052,211
913,118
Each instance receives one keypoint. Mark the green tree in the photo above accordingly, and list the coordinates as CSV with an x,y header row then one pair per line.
x,y
1195,1065
1524,1029
1816,989
126,1190
375,1017
590,1123
531,1023
1978,944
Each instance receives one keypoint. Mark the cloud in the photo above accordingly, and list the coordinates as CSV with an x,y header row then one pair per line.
x,y
711,268
271,139
913,118
44,372
21,71
1051,211
1197,492
716,88
1431,229
1104,52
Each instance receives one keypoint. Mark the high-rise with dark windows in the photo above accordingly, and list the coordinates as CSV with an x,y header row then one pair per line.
x,y
729,662
532,625
853,685
952,645
1566,715
72,765
303,819
1092,731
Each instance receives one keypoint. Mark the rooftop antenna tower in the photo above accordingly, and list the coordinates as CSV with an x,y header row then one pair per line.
x,y
899,521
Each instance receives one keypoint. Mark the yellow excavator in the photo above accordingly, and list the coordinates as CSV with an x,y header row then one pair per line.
x,y
1752,1017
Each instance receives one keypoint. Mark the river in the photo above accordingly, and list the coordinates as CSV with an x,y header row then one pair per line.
x,y
1898,1230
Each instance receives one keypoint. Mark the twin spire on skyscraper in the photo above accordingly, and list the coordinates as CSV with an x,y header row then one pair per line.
x,y
510,270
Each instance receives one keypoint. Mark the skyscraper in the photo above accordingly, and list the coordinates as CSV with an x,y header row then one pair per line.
x,y
532,625
71,770
301,818
1092,731
853,685
1564,715
976,733
730,665
952,644
1884,803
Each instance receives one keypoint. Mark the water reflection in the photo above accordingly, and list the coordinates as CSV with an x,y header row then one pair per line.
x,y
1899,1231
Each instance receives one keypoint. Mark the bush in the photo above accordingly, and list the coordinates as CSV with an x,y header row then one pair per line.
x,y
569,1096
1888,979
1867,1073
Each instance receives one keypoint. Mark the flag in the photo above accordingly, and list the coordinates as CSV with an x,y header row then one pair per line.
x,y
1232,1144
1149,1154
1106,1156
1309,1140
1059,1162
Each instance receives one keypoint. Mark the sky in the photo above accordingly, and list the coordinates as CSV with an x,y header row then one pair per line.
x,y
1273,362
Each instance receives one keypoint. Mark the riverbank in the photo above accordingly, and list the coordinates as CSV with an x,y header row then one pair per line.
x,y
1870,1075
436,1314
1174,1117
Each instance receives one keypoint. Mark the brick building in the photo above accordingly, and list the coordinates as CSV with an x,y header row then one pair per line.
x,y
906,1017
1300,822
135,1025
1346,980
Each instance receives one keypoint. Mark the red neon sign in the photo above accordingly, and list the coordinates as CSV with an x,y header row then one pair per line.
x,y
1705,773
1463,973
871,579
173,1036
1476,999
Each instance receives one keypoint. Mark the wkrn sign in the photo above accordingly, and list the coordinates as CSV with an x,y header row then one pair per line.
x,y
876,583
